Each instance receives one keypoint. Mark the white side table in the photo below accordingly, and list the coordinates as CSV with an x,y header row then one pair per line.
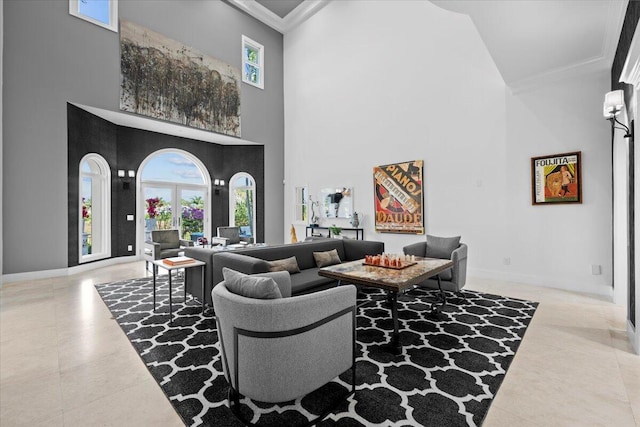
x,y
170,268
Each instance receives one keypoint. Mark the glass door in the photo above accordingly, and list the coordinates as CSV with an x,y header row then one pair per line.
x,y
174,206
192,208
158,209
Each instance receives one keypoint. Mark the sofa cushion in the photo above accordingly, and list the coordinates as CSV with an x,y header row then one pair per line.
x,y
309,280
441,247
303,251
250,286
287,264
324,259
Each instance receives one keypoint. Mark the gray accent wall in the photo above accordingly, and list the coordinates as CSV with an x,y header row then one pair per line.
x,y
51,58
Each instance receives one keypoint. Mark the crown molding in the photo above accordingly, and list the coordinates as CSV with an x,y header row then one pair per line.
x,y
601,62
304,11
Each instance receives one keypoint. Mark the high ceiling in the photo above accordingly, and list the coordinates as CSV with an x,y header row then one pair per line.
x,y
531,41
536,40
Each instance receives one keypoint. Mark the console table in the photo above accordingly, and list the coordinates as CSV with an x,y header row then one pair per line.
x,y
359,231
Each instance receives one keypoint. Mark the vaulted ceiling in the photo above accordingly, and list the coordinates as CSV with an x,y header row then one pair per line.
x,y
531,41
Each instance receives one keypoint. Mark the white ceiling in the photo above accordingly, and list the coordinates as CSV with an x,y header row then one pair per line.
x,y
535,40
531,41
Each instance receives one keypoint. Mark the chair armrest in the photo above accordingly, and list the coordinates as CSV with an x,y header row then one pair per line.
x,y
219,240
285,313
246,239
417,249
459,269
186,243
151,250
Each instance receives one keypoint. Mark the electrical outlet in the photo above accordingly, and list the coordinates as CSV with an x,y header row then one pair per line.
x,y
506,261
129,217
129,248
596,269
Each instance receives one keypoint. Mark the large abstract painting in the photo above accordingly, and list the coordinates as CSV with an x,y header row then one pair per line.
x,y
163,79
398,197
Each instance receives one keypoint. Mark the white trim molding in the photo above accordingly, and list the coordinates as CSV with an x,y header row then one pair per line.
x,y
304,11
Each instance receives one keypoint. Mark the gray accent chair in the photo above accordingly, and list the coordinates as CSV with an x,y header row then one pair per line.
x,y
164,244
230,236
276,350
454,279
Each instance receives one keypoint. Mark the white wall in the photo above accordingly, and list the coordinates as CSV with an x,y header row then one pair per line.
x,y
1,120
556,245
369,83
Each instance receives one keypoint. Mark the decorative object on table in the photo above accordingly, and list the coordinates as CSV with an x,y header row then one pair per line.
x,y
202,241
398,198
315,218
355,220
294,238
394,261
147,62
178,260
556,179
400,398
335,231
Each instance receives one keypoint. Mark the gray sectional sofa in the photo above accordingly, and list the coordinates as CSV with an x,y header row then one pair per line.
x,y
256,260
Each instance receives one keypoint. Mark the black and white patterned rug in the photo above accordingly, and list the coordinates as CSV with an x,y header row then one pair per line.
x,y
451,366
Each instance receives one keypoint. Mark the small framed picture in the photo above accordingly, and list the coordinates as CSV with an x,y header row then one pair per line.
x,y
556,179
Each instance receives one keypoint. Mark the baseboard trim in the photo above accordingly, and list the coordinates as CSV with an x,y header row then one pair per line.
x,y
69,271
634,338
546,282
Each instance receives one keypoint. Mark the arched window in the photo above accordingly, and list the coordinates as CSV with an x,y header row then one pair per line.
x,y
94,224
242,204
174,194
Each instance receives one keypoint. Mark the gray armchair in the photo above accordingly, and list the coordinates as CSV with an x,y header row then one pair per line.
x,y
276,350
230,236
452,280
164,244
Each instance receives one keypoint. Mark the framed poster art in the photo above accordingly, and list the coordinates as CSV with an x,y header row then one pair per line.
x,y
398,197
556,179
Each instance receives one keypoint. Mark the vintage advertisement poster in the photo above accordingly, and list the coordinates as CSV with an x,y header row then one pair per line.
x,y
398,197
556,179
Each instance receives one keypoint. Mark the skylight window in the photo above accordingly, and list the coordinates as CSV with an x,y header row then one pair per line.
x,y
100,12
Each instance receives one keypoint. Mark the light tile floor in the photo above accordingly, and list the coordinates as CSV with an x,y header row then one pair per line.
x,y
65,362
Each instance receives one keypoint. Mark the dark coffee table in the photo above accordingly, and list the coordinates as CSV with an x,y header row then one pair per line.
x,y
391,280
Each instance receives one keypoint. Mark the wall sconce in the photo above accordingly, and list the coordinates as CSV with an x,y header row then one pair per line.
x,y
217,184
613,105
126,177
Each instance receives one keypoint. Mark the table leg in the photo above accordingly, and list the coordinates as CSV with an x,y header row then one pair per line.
x,y
202,279
434,307
154,267
396,348
185,286
170,306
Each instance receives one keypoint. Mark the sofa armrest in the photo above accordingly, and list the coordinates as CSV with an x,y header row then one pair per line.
x,y
417,249
357,249
242,263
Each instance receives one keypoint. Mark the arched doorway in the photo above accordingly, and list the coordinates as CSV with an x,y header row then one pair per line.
x,y
173,194
94,208
242,204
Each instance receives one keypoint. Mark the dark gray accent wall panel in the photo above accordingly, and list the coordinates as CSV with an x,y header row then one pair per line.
x,y
51,58
631,19
126,148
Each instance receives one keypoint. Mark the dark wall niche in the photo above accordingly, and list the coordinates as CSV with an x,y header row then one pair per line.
x,y
126,148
